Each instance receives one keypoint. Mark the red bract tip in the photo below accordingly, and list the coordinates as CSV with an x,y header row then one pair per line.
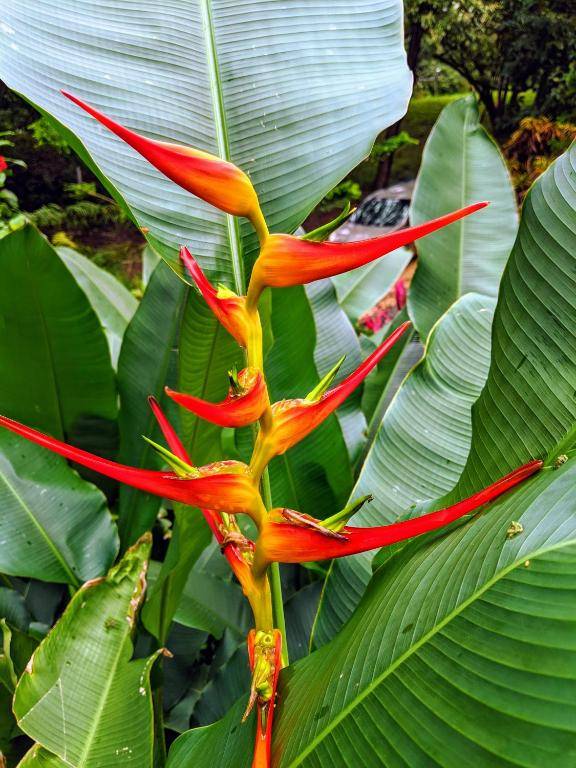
x,y
225,486
229,309
286,543
168,431
237,409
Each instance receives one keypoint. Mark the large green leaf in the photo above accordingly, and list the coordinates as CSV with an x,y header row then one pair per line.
x,y
54,526
335,338
147,358
224,78
112,302
206,353
461,654
359,290
461,164
82,697
54,360
528,403
421,445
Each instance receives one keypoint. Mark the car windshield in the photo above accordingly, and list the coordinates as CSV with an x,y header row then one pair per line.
x,y
381,212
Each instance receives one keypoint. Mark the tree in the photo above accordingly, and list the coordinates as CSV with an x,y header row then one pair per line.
x,y
504,48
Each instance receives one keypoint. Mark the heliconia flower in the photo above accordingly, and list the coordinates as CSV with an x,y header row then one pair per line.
x,y
292,420
244,404
239,553
3,163
286,260
217,181
224,485
230,310
289,543
265,656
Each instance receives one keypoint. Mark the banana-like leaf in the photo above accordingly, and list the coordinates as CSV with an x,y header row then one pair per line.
x,y
335,338
54,526
253,83
112,302
359,290
461,164
147,361
54,361
82,697
528,407
460,653
421,445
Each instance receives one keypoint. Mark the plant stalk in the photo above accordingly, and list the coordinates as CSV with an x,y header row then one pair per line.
x,y
275,581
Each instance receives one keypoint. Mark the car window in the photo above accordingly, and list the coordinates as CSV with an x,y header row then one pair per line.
x,y
382,212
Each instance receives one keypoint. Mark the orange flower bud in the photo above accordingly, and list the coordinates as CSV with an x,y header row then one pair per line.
x,y
217,181
230,310
264,653
286,260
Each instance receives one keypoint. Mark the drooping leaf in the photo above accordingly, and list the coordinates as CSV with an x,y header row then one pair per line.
x,y
82,698
147,357
461,164
54,360
112,302
420,447
360,290
226,79
54,526
528,406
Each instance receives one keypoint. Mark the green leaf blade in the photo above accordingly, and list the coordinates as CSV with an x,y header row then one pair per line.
x,y
461,165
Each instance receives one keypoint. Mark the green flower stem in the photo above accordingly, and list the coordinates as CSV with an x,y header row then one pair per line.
x,y
275,581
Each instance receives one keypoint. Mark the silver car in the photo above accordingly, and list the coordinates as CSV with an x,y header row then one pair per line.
x,y
382,211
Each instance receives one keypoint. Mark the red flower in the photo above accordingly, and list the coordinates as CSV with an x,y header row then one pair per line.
x,y
287,260
289,543
230,310
3,163
238,409
217,181
293,420
224,485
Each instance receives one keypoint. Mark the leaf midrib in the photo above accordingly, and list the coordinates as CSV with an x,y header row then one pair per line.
x,y
222,138
423,640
